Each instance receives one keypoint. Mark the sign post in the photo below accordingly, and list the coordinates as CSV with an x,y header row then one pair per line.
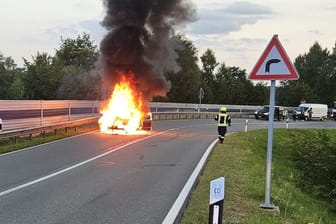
x,y
267,203
217,188
274,64
200,96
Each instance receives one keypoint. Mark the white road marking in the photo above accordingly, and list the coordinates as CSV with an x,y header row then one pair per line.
x,y
179,203
112,149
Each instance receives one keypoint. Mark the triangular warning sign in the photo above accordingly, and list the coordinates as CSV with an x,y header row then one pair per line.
x,y
274,64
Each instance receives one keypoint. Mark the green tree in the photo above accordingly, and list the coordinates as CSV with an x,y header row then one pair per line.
x,y
17,89
78,78
80,52
209,64
42,77
291,93
78,84
311,67
232,87
185,83
259,94
11,79
329,71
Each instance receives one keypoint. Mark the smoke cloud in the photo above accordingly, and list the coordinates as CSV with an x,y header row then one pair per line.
x,y
139,41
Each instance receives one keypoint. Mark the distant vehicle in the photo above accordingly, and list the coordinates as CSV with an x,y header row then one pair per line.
x,y
263,113
310,111
333,111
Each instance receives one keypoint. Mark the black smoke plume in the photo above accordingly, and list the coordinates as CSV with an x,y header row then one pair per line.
x,y
139,41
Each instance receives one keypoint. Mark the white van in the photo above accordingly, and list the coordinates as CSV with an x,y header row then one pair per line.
x,y
309,111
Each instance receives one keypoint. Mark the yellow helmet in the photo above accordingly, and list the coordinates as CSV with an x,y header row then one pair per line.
x,y
223,109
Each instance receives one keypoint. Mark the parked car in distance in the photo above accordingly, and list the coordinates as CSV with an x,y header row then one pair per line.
x,y
280,113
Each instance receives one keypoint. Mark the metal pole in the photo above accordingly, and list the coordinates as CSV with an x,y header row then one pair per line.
x,y
0,124
267,204
200,96
41,107
69,111
200,102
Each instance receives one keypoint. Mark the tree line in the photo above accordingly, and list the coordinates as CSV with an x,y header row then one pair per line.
x,y
71,74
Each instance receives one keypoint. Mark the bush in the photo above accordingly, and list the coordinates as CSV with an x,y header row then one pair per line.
x,y
315,156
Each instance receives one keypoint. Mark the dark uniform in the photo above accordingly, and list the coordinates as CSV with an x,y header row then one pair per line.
x,y
223,120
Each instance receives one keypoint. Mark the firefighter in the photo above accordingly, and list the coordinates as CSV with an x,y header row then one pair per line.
x,y
223,120
310,113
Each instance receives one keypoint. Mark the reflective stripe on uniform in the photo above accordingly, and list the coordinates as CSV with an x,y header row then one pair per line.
x,y
221,122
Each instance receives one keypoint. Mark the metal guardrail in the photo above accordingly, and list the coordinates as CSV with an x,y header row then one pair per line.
x,y
194,115
35,122
30,117
182,115
18,114
64,125
14,134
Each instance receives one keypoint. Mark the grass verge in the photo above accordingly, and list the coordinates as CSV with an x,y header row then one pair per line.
x,y
242,160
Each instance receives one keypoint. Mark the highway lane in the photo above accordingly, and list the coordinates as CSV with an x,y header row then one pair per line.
x,y
137,183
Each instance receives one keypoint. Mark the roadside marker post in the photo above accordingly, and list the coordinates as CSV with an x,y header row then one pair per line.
x,y
274,64
246,125
217,190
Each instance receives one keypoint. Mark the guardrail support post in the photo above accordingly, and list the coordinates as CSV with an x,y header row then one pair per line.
x,y
69,111
41,120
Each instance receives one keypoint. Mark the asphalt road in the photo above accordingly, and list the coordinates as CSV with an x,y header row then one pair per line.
x,y
97,178
130,183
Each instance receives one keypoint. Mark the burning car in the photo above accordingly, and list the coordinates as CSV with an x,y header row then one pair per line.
x,y
121,126
125,112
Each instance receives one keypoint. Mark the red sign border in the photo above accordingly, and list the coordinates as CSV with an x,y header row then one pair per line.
x,y
293,73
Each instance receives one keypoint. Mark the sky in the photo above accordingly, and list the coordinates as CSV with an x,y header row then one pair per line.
x,y
237,31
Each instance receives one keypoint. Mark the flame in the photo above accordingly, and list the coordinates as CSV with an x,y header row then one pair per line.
x,y
124,111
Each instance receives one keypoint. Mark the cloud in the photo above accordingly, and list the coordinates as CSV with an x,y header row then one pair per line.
x,y
230,45
315,32
329,8
229,19
239,52
92,27
247,8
